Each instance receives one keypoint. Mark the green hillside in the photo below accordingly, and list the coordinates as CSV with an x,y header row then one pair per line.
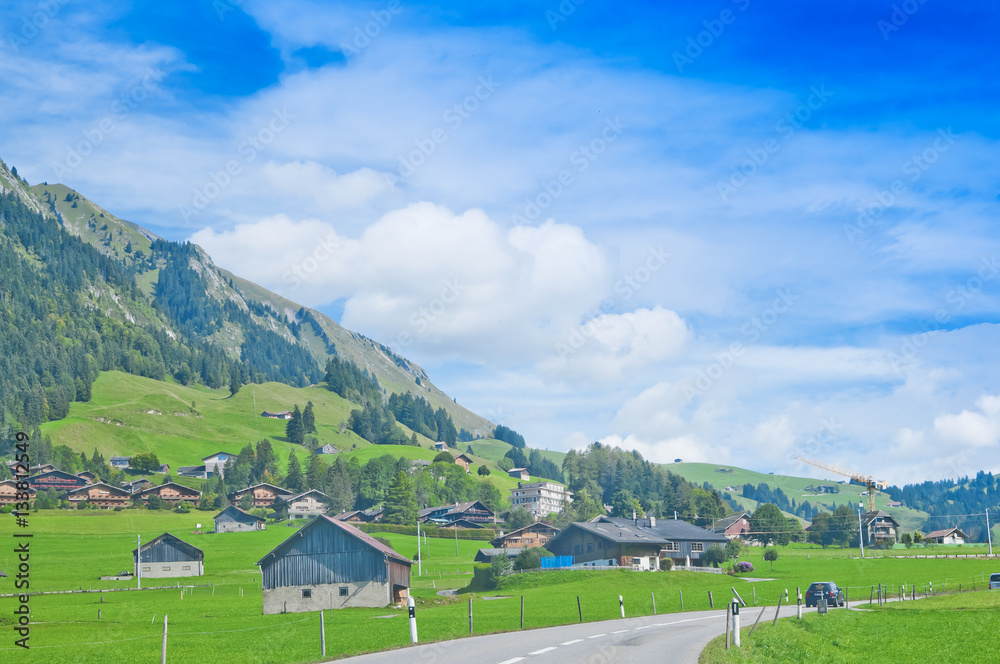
x,y
129,414
720,477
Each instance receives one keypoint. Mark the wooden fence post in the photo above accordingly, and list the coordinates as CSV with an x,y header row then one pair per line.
x,y
681,592
578,608
322,634
470,615
711,602
653,597
163,649
522,611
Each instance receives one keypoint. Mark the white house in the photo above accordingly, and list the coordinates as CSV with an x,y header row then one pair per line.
x,y
946,536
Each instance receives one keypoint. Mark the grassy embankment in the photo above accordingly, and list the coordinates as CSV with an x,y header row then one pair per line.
x,y
953,628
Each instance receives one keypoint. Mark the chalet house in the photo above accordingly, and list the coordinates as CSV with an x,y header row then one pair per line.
x,y
894,503
329,564
193,471
9,493
733,527
519,473
303,505
119,462
282,415
171,491
100,494
263,494
946,536
55,479
463,461
168,556
462,523
529,537
361,516
164,468
234,520
636,543
89,476
215,464
879,528
40,468
326,449
473,511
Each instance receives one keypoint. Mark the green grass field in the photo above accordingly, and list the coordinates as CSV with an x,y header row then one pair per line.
x,y
71,549
953,628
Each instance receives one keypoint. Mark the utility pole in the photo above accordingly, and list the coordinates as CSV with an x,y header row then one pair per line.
x,y
989,535
861,536
138,563
420,565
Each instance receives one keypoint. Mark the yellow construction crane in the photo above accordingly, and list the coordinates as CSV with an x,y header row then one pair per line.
x,y
867,480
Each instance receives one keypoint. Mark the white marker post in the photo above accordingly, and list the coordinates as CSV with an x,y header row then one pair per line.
x,y
736,623
799,601
621,605
413,619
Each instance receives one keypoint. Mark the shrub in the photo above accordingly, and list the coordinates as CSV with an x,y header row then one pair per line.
x,y
744,566
666,564
500,568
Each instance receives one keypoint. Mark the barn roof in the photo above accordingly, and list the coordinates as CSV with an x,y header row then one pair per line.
x,y
236,513
113,489
945,533
57,473
273,487
322,521
177,543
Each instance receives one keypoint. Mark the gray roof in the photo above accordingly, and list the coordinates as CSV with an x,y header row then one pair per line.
x,y
722,524
238,514
484,554
627,531
321,521
457,508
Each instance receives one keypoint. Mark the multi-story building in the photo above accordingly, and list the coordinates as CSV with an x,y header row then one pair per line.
x,y
540,498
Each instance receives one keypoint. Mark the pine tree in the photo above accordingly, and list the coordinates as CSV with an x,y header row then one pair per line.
x,y
308,419
294,480
400,503
234,380
316,474
294,430
264,461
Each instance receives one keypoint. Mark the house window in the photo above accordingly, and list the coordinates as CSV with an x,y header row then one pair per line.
x,y
697,547
343,591
576,548
166,568
637,561
146,569
590,547
307,593
672,546
186,567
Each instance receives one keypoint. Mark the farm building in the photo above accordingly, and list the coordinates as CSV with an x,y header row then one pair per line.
x,y
519,473
463,460
101,495
487,555
636,543
234,520
281,415
168,556
171,491
263,494
529,537
120,462
733,527
303,505
55,479
361,516
9,493
472,510
326,449
879,528
441,447
329,564
946,536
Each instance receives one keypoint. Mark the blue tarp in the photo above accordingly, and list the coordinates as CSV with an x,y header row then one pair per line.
x,y
556,561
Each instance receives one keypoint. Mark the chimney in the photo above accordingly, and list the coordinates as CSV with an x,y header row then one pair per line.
x,y
635,522
652,522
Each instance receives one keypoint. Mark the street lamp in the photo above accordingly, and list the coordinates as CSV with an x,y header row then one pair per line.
x,y
861,536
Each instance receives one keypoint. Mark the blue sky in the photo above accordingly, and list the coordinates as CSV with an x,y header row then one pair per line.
x,y
731,231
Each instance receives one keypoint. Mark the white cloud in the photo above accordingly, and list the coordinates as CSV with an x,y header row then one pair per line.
x,y
324,185
972,429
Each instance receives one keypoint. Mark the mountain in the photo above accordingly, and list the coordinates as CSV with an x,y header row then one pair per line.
x,y
92,292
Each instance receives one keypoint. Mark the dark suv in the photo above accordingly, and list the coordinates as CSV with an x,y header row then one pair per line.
x,y
827,590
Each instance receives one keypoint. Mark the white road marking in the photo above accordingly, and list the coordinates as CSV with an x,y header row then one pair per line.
x,y
596,636
512,660
569,643
621,631
543,650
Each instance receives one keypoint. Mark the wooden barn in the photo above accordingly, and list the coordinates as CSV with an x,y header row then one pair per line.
x,y
329,564
173,492
234,520
168,556
9,493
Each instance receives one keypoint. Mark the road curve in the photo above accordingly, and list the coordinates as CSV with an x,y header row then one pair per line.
x,y
672,637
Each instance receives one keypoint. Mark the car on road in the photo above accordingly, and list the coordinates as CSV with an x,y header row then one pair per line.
x,y
824,590
994,581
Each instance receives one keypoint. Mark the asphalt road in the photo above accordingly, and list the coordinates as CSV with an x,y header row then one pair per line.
x,y
674,637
